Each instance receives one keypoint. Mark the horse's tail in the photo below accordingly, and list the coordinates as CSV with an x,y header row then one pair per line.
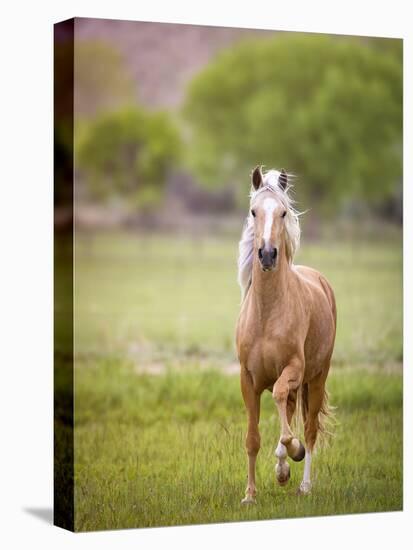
x,y
326,418
326,415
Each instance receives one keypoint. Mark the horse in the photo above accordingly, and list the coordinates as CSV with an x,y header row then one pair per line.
x,y
286,328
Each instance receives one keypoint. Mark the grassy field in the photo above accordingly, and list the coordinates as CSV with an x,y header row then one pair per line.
x,y
181,296
159,418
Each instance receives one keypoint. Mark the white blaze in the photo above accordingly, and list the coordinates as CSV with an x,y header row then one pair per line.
x,y
269,206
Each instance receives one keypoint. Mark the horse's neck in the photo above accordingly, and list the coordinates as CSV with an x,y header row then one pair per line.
x,y
269,289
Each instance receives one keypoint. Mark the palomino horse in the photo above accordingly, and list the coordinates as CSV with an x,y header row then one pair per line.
x,y
286,328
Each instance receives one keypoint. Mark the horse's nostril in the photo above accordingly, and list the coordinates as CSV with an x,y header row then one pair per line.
x,y
274,253
260,253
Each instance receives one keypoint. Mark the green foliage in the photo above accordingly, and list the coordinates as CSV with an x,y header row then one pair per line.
x,y
127,154
326,108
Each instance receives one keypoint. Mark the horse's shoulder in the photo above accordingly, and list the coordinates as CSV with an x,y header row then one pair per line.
x,y
313,279
318,285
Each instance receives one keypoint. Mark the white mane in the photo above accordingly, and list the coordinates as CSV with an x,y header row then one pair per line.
x,y
292,228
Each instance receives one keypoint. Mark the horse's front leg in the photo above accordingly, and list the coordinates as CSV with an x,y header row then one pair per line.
x,y
252,441
284,394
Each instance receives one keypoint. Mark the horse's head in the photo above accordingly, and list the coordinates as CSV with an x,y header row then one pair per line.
x,y
272,229
271,212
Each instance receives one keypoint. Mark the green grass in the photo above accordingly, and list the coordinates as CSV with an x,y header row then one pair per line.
x,y
181,295
169,450
167,447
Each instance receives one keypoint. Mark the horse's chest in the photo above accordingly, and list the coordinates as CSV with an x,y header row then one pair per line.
x,y
265,358
265,348
268,352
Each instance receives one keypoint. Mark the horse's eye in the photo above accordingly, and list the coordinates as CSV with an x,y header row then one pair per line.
x,y
284,213
253,213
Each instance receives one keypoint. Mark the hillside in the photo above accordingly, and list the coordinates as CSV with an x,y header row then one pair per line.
x,y
162,57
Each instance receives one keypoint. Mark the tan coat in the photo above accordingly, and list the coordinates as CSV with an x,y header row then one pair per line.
x,y
284,337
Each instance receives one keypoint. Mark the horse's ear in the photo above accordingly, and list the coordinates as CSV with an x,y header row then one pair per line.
x,y
282,179
256,178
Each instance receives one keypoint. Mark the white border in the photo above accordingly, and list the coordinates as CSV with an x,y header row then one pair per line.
x,y
26,269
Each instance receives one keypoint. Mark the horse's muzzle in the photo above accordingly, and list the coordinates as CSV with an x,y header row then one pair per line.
x,y
268,258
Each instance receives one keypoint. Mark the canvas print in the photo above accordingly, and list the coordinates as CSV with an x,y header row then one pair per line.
x,y
228,274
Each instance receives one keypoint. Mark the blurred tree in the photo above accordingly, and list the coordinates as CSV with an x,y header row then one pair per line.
x,y
126,155
326,108
90,77
102,80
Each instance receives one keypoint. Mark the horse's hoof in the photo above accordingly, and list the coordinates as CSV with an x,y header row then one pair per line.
x,y
248,500
305,488
299,452
282,472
